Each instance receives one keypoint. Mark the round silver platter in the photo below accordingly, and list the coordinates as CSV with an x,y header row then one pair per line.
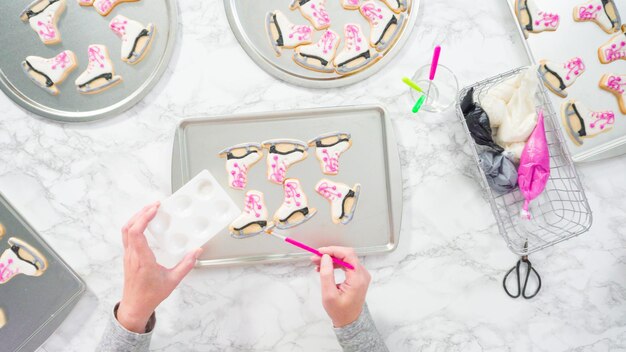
x,y
247,20
81,26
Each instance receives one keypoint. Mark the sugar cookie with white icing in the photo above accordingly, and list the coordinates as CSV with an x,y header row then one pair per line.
x,y
295,207
614,49
582,123
533,19
342,198
43,15
616,85
319,56
603,12
282,154
99,75
328,149
385,25
136,38
557,77
239,159
284,34
49,73
21,258
314,11
104,7
254,218
356,53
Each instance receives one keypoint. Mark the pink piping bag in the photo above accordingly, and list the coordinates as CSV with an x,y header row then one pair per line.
x,y
534,167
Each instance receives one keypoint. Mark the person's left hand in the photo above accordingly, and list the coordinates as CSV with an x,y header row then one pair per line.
x,y
146,283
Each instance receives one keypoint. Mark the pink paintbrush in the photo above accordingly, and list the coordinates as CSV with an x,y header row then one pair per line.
x,y
310,249
433,69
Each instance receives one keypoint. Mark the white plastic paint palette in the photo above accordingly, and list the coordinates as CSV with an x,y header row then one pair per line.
x,y
189,218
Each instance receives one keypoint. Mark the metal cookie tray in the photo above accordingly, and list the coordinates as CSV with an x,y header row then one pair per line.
x,y
34,306
79,27
580,39
372,161
247,20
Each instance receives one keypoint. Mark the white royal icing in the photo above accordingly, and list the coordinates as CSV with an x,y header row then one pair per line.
x,y
44,22
614,49
541,20
254,210
569,71
293,34
596,122
103,7
593,11
294,199
334,192
54,68
277,163
11,265
128,30
355,43
329,157
378,17
237,169
325,48
99,63
315,11
351,4
616,84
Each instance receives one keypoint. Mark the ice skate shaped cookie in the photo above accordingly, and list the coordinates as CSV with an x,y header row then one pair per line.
x,y
282,154
49,73
557,77
21,258
614,49
396,6
328,149
104,7
99,74
295,208
254,218
581,123
356,53
615,84
385,25
136,38
534,20
239,159
342,198
284,34
351,4
602,12
314,11
43,15
318,56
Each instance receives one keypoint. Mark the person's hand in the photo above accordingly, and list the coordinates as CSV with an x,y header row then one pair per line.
x,y
343,302
146,283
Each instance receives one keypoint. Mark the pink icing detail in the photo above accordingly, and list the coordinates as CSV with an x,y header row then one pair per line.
x,y
279,171
320,14
327,42
6,272
589,12
47,30
615,83
331,162
327,191
118,27
95,56
614,52
104,5
253,205
302,32
291,192
61,60
353,2
352,36
575,66
239,176
547,19
372,13
603,118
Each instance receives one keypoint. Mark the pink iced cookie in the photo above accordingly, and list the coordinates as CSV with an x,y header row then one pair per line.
x,y
314,11
328,149
104,7
614,49
239,159
43,15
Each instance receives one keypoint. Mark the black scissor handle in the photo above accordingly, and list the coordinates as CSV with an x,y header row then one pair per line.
x,y
530,269
516,268
521,291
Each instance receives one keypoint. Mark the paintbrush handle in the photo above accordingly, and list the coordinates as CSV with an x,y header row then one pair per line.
x,y
434,63
318,253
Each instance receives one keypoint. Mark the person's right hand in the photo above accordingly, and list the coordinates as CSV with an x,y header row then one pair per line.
x,y
343,302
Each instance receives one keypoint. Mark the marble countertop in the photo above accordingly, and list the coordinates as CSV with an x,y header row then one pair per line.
x,y
440,290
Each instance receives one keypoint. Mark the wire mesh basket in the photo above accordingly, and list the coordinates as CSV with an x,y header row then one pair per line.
x,y
561,211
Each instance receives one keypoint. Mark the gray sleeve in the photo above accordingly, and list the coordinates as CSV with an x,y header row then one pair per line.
x,y
117,339
361,335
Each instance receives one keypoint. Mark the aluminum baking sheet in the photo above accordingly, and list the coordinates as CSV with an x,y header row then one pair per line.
x,y
34,306
81,26
247,20
372,161
581,39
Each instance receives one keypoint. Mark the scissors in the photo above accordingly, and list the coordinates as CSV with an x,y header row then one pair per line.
x,y
521,290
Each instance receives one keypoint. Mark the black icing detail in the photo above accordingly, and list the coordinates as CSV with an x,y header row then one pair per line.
x,y
343,203
230,155
107,76
529,26
31,13
261,223
394,20
604,3
274,151
279,40
49,82
562,85
303,211
302,2
143,33
16,249
320,144
365,54
322,61
582,132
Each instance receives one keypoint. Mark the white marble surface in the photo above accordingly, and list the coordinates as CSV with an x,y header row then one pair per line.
x,y
440,290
